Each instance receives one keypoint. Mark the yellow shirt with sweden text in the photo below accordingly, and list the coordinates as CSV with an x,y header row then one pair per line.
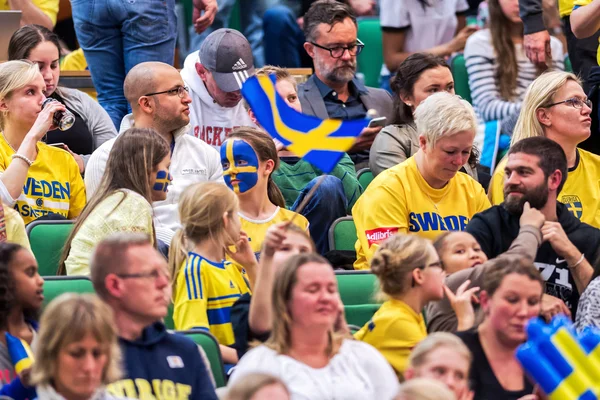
x,y
581,192
48,7
399,200
53,183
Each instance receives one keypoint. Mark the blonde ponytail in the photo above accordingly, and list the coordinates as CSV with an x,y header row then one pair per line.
x,y
177,255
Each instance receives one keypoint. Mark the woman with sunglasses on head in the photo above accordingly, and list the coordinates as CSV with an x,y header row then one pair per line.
x,y
555,106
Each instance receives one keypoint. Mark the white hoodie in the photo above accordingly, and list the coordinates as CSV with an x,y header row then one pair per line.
x,y
210,122
192,161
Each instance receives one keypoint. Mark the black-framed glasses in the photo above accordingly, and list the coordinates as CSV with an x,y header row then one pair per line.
x,y
435,264
153,275
180,91
337,52
574,102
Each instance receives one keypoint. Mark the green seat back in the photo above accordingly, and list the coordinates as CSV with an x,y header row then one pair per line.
x,y
365,177
370,59
568,65
342,234
47,239
360,314
54,286
357,287
169,323
211,347
461,77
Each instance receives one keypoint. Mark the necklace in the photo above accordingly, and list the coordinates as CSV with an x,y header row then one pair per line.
x,y
434,203
7,142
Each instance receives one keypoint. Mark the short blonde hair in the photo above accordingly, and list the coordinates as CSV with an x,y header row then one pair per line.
x,y
434,341
250,384
444,114
68,319
539,95
424,389
15,75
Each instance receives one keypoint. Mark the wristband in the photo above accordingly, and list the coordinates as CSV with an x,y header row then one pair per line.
x,y
22,157
578,262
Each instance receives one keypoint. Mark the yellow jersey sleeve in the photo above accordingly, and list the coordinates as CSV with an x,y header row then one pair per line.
x,y
190,309
48,7
496,190
74,61
15,227
580,3
77,201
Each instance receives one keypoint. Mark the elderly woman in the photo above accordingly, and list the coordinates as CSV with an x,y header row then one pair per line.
x,y
36,179
555,106
308,348
426,194
77,352
511,296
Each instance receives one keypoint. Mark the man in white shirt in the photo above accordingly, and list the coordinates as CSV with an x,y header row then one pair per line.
x,y
215,75
159,100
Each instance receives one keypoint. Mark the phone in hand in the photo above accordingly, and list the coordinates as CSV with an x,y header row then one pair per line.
x,y
59,145
379,121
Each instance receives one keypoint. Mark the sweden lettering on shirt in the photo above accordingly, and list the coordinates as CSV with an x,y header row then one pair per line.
x,y
157,389
431,221
40,197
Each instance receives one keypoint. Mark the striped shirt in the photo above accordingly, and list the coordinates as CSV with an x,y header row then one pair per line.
x,y
481,66
204,295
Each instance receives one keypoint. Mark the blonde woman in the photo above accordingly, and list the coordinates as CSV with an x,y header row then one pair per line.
x,y
206,285
410,275
555,106
77,352
309,349
258,387
36,179
424,389
137,174
445,358
425,195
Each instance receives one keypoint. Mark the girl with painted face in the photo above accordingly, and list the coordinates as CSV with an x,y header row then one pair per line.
x,y
206,285
137,174
249,157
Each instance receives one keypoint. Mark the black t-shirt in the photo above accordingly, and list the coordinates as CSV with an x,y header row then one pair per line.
x,y
483,381
240,313
78,138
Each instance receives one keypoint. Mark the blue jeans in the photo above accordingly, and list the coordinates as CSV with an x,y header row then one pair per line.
x,y
328,203
284,40
116,35
251,19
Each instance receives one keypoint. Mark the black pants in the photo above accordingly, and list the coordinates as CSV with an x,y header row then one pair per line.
x,y
582,53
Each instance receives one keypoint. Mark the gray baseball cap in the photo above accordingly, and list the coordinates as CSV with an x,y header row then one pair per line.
x,y
226,53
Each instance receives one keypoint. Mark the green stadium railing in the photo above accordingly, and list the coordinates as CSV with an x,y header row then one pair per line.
x,y
210,345
47,239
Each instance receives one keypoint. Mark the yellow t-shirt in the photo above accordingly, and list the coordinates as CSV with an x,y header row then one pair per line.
x,y
74,61
48,7
257,229
399,200
204,294
53,183
577,4
116,213
394,330
15,227
565,7
581,192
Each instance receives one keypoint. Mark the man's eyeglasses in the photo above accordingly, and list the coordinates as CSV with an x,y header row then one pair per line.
x,y
574,102
337,52
179,91
152,275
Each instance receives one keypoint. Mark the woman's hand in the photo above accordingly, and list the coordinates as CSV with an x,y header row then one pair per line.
x,y
461,303
274,238
459,41
44,120
78,159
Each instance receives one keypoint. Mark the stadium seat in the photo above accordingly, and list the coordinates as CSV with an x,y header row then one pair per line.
x,y
47,239
54,286
169,323
461,77
568,65
357,291
342,234
211,347
370,59
365,177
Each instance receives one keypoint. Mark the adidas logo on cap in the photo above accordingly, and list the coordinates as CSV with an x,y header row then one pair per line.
x,y
240,64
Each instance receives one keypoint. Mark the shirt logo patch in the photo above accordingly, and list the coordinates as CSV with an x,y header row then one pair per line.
x,y
194,171
231,285
375,236
175,362
573,204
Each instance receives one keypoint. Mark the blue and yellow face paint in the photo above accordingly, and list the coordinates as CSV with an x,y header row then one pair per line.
x,y
163,180
240,165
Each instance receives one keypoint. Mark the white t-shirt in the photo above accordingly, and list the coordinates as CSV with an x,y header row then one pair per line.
x,y
425,27
358,371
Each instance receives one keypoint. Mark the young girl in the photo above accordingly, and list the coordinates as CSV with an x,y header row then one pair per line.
x,y
249,157
137,173
458,250
499,71
206,285
410,274
251,315
21,296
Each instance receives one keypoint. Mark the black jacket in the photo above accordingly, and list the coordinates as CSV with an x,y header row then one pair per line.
x,y
495,229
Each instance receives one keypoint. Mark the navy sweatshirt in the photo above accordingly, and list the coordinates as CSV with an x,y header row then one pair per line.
x,y
164,366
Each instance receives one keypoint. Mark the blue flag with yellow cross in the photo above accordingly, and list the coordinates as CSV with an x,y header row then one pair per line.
x,y
321,142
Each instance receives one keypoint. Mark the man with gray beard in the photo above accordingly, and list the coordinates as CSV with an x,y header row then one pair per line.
x,y
333,91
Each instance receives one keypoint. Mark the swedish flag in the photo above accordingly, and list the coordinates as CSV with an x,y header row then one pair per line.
x,y
320,142
19,352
